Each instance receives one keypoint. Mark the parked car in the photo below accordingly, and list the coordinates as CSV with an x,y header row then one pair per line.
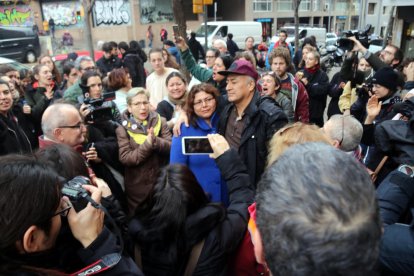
x,y
331,37
19,43
14,64
375,45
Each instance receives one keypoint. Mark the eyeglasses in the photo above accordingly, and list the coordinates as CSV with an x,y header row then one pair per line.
x,y
140,104
63,213
88,68
204,101
79,126
210,56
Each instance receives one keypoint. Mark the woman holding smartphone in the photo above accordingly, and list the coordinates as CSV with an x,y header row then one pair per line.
x,y
201,105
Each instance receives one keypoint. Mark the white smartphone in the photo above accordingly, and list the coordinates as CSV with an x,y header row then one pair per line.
x,y
195,145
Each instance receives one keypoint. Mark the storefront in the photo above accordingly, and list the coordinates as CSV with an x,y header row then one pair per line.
x,y
267,24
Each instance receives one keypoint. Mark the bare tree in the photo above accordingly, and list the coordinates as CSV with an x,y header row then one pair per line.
x,y
296,4
87,7
179,16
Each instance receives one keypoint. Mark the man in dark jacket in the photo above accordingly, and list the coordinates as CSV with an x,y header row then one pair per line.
x,y
134,58
195,47
248,122
231,45
109,60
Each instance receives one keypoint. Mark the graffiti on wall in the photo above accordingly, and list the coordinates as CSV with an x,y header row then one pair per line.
x,y
16,16
156,11
63,13
112,12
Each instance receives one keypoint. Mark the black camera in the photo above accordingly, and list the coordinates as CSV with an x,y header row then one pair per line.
x,y
99,113
362,36
76,193
363,90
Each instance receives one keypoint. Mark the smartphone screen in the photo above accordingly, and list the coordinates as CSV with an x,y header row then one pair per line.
x,y
175,31
196,145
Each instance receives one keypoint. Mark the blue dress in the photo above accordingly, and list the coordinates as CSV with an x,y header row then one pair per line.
x,y
203,167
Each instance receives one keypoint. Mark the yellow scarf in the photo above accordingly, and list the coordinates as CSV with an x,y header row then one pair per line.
x,y
140,138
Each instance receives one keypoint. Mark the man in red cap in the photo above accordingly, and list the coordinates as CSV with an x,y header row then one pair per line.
x,y
249,121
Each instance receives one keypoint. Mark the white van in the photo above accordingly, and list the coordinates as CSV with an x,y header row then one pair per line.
x,y
318,32
239,29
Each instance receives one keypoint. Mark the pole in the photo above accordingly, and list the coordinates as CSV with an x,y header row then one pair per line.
x,y
329,16
205,27
215,11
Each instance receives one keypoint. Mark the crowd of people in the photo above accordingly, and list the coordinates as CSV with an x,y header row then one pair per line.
x,y
95,176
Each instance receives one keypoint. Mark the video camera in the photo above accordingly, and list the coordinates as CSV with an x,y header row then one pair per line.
x,y
76,193
363,90
99,113
362,36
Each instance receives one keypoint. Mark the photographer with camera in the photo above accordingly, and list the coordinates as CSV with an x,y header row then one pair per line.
x,y
102,117
31,241
356,42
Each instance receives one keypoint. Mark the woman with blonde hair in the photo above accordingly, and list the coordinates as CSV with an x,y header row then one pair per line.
x,y
297,133
144,141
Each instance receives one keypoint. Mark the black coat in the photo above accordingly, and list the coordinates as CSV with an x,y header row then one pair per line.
x,y
107,65
196,49
317,88
134,61
12,137
165,109
232,47
222,229
265,117
335,91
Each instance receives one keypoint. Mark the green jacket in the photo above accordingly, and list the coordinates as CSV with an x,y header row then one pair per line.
x,y
72,93
199,72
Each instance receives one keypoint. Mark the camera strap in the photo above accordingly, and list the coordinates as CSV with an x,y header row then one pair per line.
x,y
105,263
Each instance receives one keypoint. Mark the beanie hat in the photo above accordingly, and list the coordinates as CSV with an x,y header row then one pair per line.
x,y
386,77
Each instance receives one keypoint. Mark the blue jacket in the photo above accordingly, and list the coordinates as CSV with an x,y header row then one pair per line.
x,y
203,167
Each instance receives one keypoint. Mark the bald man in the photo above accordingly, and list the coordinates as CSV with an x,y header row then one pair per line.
x,y
62,123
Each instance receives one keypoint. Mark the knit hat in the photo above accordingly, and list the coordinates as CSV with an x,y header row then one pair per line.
x,y
386,77
241,67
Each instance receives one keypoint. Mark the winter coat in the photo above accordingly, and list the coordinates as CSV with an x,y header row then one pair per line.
x,y
222,229
35,97
335,91
59,260
265,117
317,88
196,49
12,137
142,161
203,167
232,47
107,65
298,95
135,65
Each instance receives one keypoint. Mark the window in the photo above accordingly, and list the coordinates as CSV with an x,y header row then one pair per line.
x,y
285,5
317,5
371,8
262,5
305,5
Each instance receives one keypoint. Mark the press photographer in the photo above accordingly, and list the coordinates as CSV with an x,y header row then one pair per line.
x,y
31,239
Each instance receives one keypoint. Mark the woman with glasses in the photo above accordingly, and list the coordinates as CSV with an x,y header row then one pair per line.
x,y
270,86
144,141
201,105
172,105
12,137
